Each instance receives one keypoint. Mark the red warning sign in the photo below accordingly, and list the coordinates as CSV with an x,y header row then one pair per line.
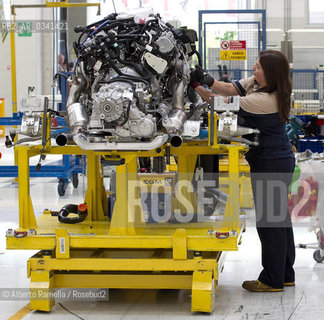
x,y
233,45
232,50
225,45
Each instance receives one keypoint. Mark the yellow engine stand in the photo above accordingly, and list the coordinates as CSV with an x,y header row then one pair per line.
x,y
124,251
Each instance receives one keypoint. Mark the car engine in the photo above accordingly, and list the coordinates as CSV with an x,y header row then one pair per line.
x,y
130,89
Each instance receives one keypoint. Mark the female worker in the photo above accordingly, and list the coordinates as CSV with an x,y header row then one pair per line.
x,y
265,105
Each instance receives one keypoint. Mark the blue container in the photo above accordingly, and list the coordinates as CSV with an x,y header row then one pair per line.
x,y
315,144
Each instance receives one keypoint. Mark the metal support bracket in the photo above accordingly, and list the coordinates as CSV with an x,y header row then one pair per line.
x,y
180,244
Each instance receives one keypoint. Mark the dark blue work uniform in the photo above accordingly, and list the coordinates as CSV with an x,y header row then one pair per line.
x,y
272,164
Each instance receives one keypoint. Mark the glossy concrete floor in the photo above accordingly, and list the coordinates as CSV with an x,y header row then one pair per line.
x,y
305,301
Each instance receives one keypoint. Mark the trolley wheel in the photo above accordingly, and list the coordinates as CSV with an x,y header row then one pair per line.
x,y
317,256
62,186
75,180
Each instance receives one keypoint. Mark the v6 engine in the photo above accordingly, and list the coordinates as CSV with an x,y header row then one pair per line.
x,y
129,91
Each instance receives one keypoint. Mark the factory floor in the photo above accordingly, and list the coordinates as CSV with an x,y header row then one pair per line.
x,y
232,302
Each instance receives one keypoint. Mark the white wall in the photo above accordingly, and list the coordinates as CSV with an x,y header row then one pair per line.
x,y
27,60
308,41
34,55
5,76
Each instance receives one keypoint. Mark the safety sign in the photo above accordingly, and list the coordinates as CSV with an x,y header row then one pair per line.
x,y
233,50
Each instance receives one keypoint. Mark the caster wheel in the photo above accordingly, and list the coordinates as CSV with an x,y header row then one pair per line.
x,y
61,188
317,256
75,180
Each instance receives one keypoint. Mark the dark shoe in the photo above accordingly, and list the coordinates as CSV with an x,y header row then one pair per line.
x,y
258,286
289,284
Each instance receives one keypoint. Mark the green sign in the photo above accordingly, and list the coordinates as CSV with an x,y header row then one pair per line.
x,y
24,29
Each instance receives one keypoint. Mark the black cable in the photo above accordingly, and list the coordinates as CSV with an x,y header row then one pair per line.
x,y
72,208
129,35
67,310
61,75
66,52
59,114
194,51
95,24
79,39
134,65
113,25
38,166
126,78
121,80
133,78
113,66
147,23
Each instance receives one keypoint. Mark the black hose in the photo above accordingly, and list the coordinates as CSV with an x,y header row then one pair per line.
x,y
113,25
89,26
61,75
112,65
60,114
194,51
130,35
130,78
117,80
146,25
81,210
88,31
79,39
133,65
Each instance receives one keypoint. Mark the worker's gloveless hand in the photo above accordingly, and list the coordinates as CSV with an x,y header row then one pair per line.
x,y
201,76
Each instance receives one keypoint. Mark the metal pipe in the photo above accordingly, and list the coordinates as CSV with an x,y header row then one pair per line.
x,y
77,115
78,85
82,141
217,194
175,140
242,140
178,96
175,121
64,139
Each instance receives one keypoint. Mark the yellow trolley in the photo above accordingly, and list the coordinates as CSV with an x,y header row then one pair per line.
x,y
124,251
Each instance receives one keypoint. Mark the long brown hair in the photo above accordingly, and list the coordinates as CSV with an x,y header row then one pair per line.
x,y
277,74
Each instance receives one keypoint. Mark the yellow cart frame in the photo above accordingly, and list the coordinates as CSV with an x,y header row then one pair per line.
x,y
121,252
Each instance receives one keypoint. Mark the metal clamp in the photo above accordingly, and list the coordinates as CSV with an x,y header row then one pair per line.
x,y
222,235
20,234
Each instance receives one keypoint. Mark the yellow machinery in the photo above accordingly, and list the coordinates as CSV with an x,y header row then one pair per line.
x,y
125,250
126,247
